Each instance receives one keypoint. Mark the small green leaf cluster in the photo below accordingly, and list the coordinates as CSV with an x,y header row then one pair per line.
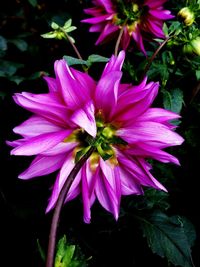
x,y
60,32
68,255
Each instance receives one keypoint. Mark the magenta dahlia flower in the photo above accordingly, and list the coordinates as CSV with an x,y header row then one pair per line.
x,y
78,111
139,19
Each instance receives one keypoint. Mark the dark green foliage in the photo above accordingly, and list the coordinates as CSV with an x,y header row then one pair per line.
x,y
170,237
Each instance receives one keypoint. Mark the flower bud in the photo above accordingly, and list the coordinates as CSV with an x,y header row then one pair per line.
x,y
187,49
186,15
195,43
193,47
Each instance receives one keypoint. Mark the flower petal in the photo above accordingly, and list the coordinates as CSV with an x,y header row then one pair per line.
x,y
105,195
129,186
40,143
51,84
34,126
107,92
146,150
42,166
45,105
150,132
85,119
60,180
72,90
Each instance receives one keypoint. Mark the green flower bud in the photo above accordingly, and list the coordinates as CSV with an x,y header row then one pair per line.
x,y
193,47
187,15
195,43
187,49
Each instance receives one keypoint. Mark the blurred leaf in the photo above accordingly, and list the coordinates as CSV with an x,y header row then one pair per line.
x,y
173,100
49,35
41,250
175,28
8,68
74,61
96,58
197,72
91,59
153,199
3,43
20,44
2,95
165,29
17,79
170,237
33,2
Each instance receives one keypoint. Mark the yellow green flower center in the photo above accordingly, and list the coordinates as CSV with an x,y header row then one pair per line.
x,y
104,142
129,12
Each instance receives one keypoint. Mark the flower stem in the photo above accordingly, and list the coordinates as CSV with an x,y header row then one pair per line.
x,y
73,45
155,54
59,204
118,40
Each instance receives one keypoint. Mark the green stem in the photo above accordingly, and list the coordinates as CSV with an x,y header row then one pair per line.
x,y
59,204
118,40
155,54
73,45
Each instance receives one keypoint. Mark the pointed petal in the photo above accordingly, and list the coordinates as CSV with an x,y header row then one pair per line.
x,y
129,108
85,118
60,180
137,36
158,115
45,105
87,83
150,132
73,92
114,64
140,170
105,195
60,148
106,33
40,143
34,126
149,151
51,84
129,185
107,92
42,166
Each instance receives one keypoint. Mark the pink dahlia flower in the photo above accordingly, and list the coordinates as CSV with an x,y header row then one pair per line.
x,y
78,110
140,19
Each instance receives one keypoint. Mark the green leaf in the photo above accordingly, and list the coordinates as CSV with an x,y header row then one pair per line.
x,y
197,72
158,40
74,61
173,100
41,250
33,2
170,237
68,23
153,198
165,29
55,26
175,28
17,79
49,35
96,58
68,255
8,68
3,43
20,44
